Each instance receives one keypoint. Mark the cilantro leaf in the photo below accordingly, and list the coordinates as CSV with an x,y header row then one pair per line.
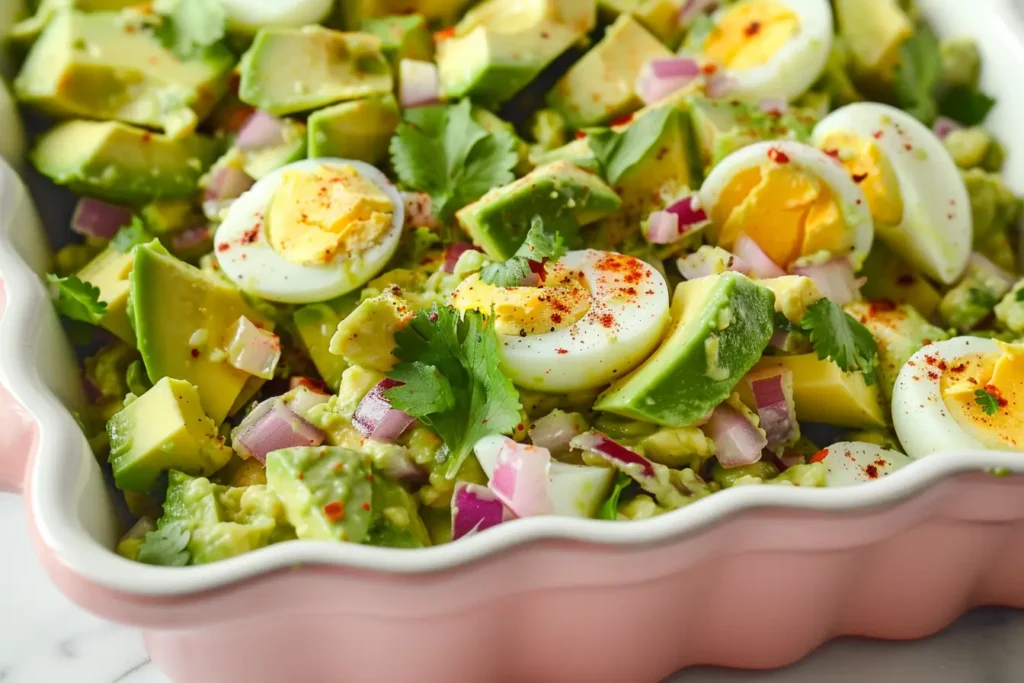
x,y
917,75
838,336
167,546
987,400
539,246
452,382
77,299
1019,296
131,236
784,324
190,26
442,151
966,105
610,507
982,298
617,153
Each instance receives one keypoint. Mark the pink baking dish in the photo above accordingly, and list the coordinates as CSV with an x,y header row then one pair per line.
x,y
754,577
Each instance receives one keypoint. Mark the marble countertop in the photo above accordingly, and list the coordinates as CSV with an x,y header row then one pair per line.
x,y
46,639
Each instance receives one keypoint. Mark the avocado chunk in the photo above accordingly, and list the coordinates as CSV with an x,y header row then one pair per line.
x,y
873,30
1010,311
661,17
564,196
327,491
170,216
122,164
721,324
888,276
91,66
366,337
182,318
316,324
499,47
109,272
27,30
396,519
163,429
359,130
292,70
259,163
601,86
356,12
402,37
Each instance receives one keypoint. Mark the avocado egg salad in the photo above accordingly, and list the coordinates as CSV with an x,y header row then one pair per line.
x,y
393,273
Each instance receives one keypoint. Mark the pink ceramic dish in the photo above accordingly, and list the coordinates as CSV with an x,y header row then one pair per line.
x,y
754,577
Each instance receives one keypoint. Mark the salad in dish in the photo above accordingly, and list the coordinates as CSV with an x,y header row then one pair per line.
x,y
394,273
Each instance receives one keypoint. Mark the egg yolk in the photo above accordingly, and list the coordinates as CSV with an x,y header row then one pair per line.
x,y
750,34
871,169
314,215
788,212
561,301
985,394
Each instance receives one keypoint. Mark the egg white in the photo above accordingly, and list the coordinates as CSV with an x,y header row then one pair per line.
x,y
923,424
258,269
937,228
854,462
797,65
852,203
592,355
249,16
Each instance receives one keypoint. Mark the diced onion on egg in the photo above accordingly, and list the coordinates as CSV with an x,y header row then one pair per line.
x,y
249,16
854,462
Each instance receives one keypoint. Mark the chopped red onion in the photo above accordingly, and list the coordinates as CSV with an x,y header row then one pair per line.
x,y
788,460
228,182
555,430
475,508
252,349
661,77
737,442
399,466
761,265
520,479
191,238
652,477
662,228
419,210
101,220
694,8
376,419
674,67
272,426
774,105
691,215
719,84
944,126
261,130
835,279
773,395
419,83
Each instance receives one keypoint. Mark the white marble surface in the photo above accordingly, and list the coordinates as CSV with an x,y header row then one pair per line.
x,y
46,639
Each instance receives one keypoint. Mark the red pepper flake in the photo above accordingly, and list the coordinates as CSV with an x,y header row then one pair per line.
x,y
860,177
834,153
607,320
752,29
778,156
629,291
881,306
878,134
958,368
300,476
907,146
561,352
520,427
872,471
580,135
366,506
250,235
932,375
623,121
556,318
195,353
223,246
709,68
146,137
432,317
819,456
445,34
993,390
334,511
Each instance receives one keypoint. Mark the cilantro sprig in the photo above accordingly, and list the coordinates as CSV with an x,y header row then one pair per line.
x,y
442,151
1019,296
539,247
982,298
838,336
131,236
77,299
618,152
988,401
189,27
451,380
917,75
610,507
166,546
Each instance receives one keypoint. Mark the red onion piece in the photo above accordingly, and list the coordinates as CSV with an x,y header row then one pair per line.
x,y
398,466
555,430
835,279
630,462
272,426
737,442
944,126
691,215
228,182
475,508
693,8
94,218
761,265
419,83
773,395
419,210
788,460
663,228
376,419
655,82
787,341
520,479
191,238
253,349
674,67
719,85
774,105
261,130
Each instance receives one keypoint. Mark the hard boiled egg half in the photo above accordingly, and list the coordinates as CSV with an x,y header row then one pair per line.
x,y
311,231
917,196
249,16
855,462
596,316
966,393
766,48
793,200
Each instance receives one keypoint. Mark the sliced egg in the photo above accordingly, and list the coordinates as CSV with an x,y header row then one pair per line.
x,y
767,48
249,16
856,462
793,200
966,393
917,196
302,265
599,315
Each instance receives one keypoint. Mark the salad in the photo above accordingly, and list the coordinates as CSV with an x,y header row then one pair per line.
x,y
394,273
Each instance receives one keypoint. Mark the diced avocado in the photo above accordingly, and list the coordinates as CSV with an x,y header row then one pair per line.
x,y
327,491
561,194
549,131
900,332
994,207
396,519
975,148
972,300
499,47
601,86
27,30
721,324
874,31
402,37
442,12
823,393
122,164
163,429
1010,311
292,70
109,271
961,62
677,447
661,17
359,130
170,216
439,524
577,152
238,472
727,478
105,370
811,475
887,276
100,66
793,294
181,318
316,325
259,163
366,337
128,546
